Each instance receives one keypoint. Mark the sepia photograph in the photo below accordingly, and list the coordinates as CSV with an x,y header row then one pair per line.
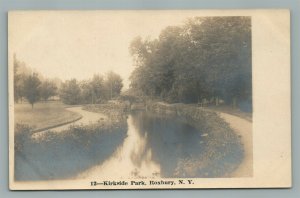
x,y
142,99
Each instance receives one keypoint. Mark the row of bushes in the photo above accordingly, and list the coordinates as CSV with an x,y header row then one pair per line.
x,y
117,112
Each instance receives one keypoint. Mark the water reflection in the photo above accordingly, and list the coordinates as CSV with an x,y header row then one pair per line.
x,y
164,146
131,160
169,141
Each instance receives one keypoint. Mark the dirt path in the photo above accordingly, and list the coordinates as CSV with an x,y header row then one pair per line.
x,y
243,128
87,118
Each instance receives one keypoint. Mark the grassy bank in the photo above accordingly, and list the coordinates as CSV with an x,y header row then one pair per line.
x,y
220,148
64,155
43,115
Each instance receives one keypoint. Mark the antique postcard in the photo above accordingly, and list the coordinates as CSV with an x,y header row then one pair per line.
x,y
149,99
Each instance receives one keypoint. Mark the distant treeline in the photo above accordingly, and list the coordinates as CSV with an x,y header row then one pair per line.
x,y
96,90
31,86
207,58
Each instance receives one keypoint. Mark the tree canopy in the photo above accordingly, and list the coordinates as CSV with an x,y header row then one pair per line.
x,y
113,83
32,88
70,92
48,89
91,91
207,57
31,85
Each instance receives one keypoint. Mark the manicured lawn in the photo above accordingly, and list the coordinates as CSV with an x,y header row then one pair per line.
x,y
43,114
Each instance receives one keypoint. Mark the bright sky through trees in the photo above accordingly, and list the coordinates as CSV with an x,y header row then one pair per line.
x,y
77,44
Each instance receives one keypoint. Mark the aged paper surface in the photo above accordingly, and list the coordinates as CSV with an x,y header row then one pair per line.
x,y
138,99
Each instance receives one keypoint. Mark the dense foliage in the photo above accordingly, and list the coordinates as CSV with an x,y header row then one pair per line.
x,y
207,58
31,86
92,91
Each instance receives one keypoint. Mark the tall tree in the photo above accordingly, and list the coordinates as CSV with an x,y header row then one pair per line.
x,y
48,89
19,78
70,92
87,95
93,90
113,84
97,88
207,57
32,88
225,45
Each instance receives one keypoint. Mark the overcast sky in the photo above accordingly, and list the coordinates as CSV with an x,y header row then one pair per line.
x,y
78,44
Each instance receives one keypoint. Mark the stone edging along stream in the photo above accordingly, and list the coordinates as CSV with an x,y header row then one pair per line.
x,y
57,125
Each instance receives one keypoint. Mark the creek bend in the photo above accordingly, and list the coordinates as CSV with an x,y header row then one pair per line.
x,y
148,145
162,146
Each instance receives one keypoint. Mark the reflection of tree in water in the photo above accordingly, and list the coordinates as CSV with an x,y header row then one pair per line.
x,y
183,151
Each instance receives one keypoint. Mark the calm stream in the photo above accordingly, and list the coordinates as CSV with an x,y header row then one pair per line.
x,y
151,146
154,147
